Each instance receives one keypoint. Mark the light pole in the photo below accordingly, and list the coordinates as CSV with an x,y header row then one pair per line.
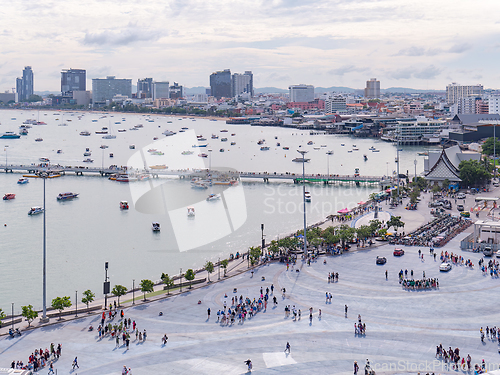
x,y
397,148
209,163
44,318
494,151
133,291
6,146
106,285
303,153
180,280
76,303
219,270
415,162
328,166
263,242
12,315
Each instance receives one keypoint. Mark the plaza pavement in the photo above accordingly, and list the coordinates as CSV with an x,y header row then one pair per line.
x,y
402,327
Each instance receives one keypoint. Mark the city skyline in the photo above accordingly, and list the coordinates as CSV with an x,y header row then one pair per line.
x,y
335,43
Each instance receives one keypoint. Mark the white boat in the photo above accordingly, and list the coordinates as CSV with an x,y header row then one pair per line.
x,y
158,166
190,211
307,196
199,185
330,152
23,180
85,133
132,147
109,136
45,160
168,133
213,197
35,210
124,205
155,226
187,152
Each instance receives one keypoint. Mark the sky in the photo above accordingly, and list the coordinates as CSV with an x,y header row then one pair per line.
x,y
419,44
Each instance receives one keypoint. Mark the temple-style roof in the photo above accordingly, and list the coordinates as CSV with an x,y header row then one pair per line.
x,y
444,168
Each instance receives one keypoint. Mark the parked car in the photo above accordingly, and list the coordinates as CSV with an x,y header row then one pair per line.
x,y
460,196
497,254
487,251
460,207
398,252
445,267
465,214
381,260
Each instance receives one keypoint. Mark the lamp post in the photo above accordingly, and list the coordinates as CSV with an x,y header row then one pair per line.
x,y
180,280
44,318
76,303
263,242
415,162
303,153
12,315
328,166
219,270
494,151
6,146
106,285
210,163
133,291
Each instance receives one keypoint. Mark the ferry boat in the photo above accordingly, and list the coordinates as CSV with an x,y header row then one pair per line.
x,y
264,148
85,133
23,181
203,155
158,166
9,196
45,160
10,135
35,210
187,152
300,160
168,133
190,211
365,157
66,196
223,139
132,147
213,197
307,196
124,205
155,226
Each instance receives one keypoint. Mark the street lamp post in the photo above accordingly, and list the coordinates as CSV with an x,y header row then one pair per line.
x,y
44,318
263,242
303,153
12,315
219,270
415,162
106,285
494,151
180,280
76,302
133,291
6,146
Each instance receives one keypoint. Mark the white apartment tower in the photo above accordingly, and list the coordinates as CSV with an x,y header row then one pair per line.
x,y
372,90
455,92
161,90
494,104
337,104
301,93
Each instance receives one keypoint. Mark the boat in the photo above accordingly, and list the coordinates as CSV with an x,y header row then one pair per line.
x,y
125,178
286,148
233,134
356,171
66,196
223,139
371,148
45,160
355,149
168,133
94,120
317,148
133,129
375,150
199,184
101,132
158,166
342,144
23,181
307,196
201,139
183,128
278,144
10,135
190,211
132,147
353,145
155,226
203,155
261,141
323,145
157,153
9,196
104,146
365,157
213,197
124,205
187,152
109,136
233,143
349,150
117,122
214,136
223,131
87,153
155,138
310,143
35,210
221,150
225,182
23,132
85,133
122,130
59,151
88,160
300,160
111,155
264,148
330,152
38,139
138,126
423,153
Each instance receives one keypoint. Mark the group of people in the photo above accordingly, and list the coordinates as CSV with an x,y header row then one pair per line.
x,y
360,327
333,277
491,333
40,358
452,356
492,267
431,283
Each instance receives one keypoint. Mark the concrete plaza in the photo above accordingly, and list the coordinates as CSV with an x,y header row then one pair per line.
x,y
402,327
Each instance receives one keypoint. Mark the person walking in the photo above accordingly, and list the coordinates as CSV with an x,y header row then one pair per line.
x,y
208,312
386,273
249,364
51,368
75,363
287,347
356,368
345,309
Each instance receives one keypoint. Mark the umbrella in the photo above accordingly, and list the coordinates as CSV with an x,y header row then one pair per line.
x,y
361,202
343,211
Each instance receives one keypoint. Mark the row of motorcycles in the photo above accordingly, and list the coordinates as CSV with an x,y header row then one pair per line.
x,y
15,332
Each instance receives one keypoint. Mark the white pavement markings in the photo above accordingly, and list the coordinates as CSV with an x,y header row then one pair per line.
x,y
278,359
203,366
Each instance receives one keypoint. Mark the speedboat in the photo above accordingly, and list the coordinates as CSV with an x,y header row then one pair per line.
x,y
87,153
261,142
199,184
122,130
109,136
111,155
59,151
85,133
310,143
168,133
155,226
213,197
187,152
23,132
9,196
10,135
221,150
223,131
215,136
190,211
104,146
264,148
38,139
132,147
300,160
375,150
307,196
223,139
286,148
45,160
124,205
66,196
233,143
23,180
35,210
330,152
203,155
88,160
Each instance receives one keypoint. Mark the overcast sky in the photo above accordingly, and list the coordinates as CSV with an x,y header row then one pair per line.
x,y
421,44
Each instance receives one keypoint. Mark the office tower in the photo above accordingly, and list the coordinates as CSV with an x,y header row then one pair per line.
x,y
455,92
176,91
494,104
73,80
242,83
336,104
220,84
106,88
161,90
301,93
145,88
24,86
372,90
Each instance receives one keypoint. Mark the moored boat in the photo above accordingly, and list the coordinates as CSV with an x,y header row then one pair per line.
x,y
10,135
23,180
124,205
158,166
300,160
85,133
307,196
66,196
155,226
9,196
187,152
190,211
213,197
35,210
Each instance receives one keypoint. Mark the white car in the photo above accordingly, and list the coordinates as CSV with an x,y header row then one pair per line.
x,y
460,196
497,254
445,267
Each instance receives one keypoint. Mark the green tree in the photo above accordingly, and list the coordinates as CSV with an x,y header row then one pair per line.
x,y
254,254
88,297
189,276
224,263
209,267
118,291
168,281
446,183
375,225
147,286
29,314
345,233
60,303
2,316
473,173
34,98
435,189
395,221
487,147
363,232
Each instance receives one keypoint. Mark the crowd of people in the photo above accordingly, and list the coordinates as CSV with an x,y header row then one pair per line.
x,y
40,358
360,327
492,267
452,357
411,284
491,333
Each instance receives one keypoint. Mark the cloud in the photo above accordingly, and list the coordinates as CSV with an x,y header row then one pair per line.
x,y
459,48
5,32
428,73
278,77
121,38
345,69
421,51
401,73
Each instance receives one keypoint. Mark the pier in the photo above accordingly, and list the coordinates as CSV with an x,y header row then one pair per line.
x,y
353,179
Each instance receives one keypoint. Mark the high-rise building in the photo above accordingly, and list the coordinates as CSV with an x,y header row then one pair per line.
x,y
176,91
455,92
106,88
372,90
220,84
242,83
24,86
145,88
161,90
73,80
494,104
301,93
335,104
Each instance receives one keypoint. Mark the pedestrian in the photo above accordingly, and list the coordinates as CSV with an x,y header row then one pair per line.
x,y
140,336
208,312
128,342
345,309
133,325
117,341
164,339
75,363
51,368
386,274
144,335
129,371
319,314
249,364
124,370
287,348
356,368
